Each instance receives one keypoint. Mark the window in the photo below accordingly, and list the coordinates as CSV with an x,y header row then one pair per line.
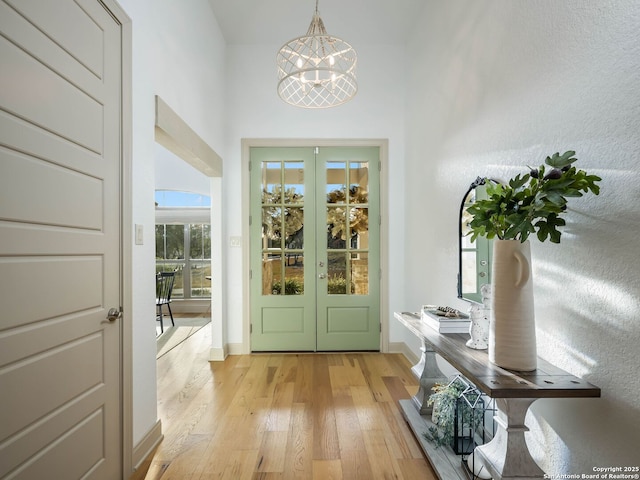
x,y
185,248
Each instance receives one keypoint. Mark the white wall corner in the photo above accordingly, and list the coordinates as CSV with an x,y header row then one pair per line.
x,y
403,348
147,445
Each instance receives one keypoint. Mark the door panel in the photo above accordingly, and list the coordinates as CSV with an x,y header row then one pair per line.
x,y
60,240
282,307
313,248
348,240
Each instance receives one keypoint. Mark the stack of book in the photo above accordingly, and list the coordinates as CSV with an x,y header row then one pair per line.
x,y
441,321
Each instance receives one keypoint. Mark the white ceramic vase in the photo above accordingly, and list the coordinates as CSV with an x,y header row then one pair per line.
x,y
479,327
512,334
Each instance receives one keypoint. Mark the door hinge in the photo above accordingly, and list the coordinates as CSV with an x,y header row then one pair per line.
x,y
380,327
251,328
250,274
379,219
250,220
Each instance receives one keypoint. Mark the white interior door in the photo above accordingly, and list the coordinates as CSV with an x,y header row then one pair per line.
x,y
60,240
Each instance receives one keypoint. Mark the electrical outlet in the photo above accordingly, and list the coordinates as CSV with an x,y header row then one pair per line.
x,y
235,241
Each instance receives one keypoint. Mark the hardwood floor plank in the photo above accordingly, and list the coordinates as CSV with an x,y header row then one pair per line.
x,y
284,416
298,462
366,408
327,470
238,464
355,465
325,434
271,456
303,392
350,434
383,463
279,414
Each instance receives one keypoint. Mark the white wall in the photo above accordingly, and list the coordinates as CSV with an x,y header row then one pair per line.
x,y
494,86
256,111
178,54
175,174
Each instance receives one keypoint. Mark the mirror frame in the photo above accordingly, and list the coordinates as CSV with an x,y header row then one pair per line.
x,y
478,182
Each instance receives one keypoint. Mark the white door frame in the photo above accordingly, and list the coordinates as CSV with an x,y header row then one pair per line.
x,y
126,250
383,145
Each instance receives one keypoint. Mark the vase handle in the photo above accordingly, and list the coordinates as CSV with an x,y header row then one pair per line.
x,y
524,269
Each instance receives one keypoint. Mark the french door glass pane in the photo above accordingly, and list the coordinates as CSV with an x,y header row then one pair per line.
x,y
336,228
271,182
337,273
336,182
282,228
360,273
358,182
347,219
272,227
271,274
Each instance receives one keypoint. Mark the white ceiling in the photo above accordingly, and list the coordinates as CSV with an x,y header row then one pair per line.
x,y
274,22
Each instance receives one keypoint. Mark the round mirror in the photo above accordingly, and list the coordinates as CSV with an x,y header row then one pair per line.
x,y
474,258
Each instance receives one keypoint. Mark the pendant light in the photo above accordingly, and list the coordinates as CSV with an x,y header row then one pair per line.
x,y
316,70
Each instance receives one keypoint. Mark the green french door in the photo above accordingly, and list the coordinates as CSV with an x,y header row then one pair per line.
x,y
315,248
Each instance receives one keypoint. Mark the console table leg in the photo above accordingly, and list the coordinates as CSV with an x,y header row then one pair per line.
x,y
506,455
429,374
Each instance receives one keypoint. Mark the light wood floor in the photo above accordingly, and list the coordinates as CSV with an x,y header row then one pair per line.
x,y
284,416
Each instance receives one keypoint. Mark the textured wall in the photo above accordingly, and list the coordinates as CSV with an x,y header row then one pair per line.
x,y
494,86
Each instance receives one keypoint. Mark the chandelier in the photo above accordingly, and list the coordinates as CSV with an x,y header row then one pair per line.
x,y
316,70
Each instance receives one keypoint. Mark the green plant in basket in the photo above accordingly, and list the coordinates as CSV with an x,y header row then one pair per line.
x,y
533,202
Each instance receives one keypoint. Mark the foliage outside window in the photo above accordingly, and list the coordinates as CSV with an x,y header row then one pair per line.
x,y
185,248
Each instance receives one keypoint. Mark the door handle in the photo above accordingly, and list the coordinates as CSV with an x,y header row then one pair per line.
x,y
322,275
113,314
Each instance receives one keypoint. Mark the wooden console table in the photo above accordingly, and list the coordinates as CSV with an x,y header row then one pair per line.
x,y
506,456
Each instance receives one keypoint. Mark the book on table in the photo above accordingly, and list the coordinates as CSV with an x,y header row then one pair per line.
x,y
442,321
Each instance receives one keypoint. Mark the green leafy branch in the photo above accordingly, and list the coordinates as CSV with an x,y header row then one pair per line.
x,y
532,203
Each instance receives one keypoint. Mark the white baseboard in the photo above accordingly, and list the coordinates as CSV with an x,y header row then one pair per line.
x,y
403,348
235,349
148,443
218,354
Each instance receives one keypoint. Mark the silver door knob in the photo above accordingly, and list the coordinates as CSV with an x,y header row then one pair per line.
x,y
113,314
322,275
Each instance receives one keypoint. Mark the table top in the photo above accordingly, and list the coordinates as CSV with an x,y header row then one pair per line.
x,y
547,381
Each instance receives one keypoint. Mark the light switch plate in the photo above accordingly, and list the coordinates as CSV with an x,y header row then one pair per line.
x,y
235,241
139,234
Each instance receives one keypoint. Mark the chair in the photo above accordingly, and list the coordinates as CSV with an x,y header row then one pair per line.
x,y
164,287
